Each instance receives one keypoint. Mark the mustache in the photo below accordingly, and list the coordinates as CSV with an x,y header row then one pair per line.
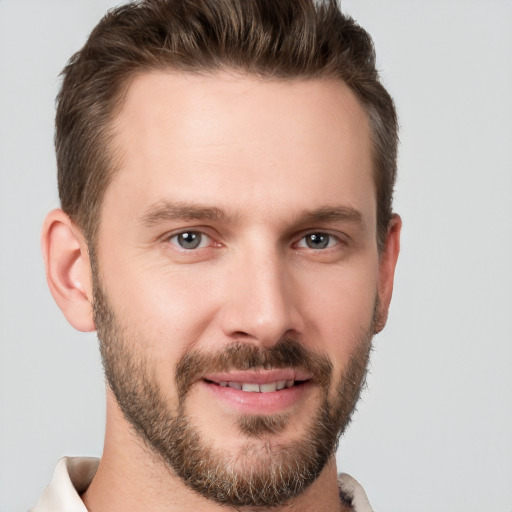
x,y
287,353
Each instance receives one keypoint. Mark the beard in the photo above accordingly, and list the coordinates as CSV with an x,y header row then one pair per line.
x,y
265,472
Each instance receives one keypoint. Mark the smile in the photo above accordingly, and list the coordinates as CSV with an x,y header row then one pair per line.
x,y
262,391
253,387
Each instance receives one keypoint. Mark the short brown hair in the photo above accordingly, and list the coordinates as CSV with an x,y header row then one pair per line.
x,y
270,38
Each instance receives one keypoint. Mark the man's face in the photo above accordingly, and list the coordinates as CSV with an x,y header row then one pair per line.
x,y
236,288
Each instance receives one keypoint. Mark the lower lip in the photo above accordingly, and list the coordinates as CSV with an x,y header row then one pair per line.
x,y
259,403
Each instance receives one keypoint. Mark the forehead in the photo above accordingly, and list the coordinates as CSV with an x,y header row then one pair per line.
x,y
231,140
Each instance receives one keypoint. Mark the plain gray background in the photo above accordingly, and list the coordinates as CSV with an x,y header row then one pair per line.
x,y
434,430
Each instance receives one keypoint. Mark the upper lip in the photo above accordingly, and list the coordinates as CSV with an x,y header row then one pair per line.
x,y
259,376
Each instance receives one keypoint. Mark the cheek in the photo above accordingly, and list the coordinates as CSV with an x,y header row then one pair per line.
x,y
166,310
341,312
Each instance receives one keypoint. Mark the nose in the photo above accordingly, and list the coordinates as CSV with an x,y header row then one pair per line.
x,y
260,305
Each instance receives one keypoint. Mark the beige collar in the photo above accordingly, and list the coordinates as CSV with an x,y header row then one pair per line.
x,y
73,475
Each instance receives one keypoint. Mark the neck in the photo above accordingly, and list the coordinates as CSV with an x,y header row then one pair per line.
x,y
131,477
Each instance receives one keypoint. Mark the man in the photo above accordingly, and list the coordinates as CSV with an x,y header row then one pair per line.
x,y
226,171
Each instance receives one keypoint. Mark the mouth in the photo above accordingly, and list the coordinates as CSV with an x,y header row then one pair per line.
x,y
254,387
261,391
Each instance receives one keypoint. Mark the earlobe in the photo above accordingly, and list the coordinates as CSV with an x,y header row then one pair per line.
x,y
67,269
387,265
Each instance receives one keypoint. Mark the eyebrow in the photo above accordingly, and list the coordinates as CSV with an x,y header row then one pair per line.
x,y
163,211
331,214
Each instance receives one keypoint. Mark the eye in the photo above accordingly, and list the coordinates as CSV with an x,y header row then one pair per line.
x,y
318,241
190,240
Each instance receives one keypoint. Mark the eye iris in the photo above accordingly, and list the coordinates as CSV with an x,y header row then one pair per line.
x,y
189,240
317,241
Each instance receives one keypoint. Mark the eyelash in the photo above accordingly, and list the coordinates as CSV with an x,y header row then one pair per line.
x,y
191,232
332,240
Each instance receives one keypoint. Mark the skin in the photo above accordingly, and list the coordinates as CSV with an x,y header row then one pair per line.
x,y
266,154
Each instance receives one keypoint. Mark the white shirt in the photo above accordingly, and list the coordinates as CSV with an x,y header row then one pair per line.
x,y
74,474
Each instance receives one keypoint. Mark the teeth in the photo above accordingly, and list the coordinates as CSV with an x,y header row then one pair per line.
x,y
267,388
252,387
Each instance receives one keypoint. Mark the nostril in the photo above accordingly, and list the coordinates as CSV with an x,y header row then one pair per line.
x,y
241,334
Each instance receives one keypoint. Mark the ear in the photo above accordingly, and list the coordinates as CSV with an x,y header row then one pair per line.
x,y
387,264
68,271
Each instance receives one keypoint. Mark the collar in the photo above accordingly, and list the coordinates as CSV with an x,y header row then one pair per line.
x,y
73,475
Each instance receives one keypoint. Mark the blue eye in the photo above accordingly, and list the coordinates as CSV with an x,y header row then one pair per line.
x,y
189,240
317,241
